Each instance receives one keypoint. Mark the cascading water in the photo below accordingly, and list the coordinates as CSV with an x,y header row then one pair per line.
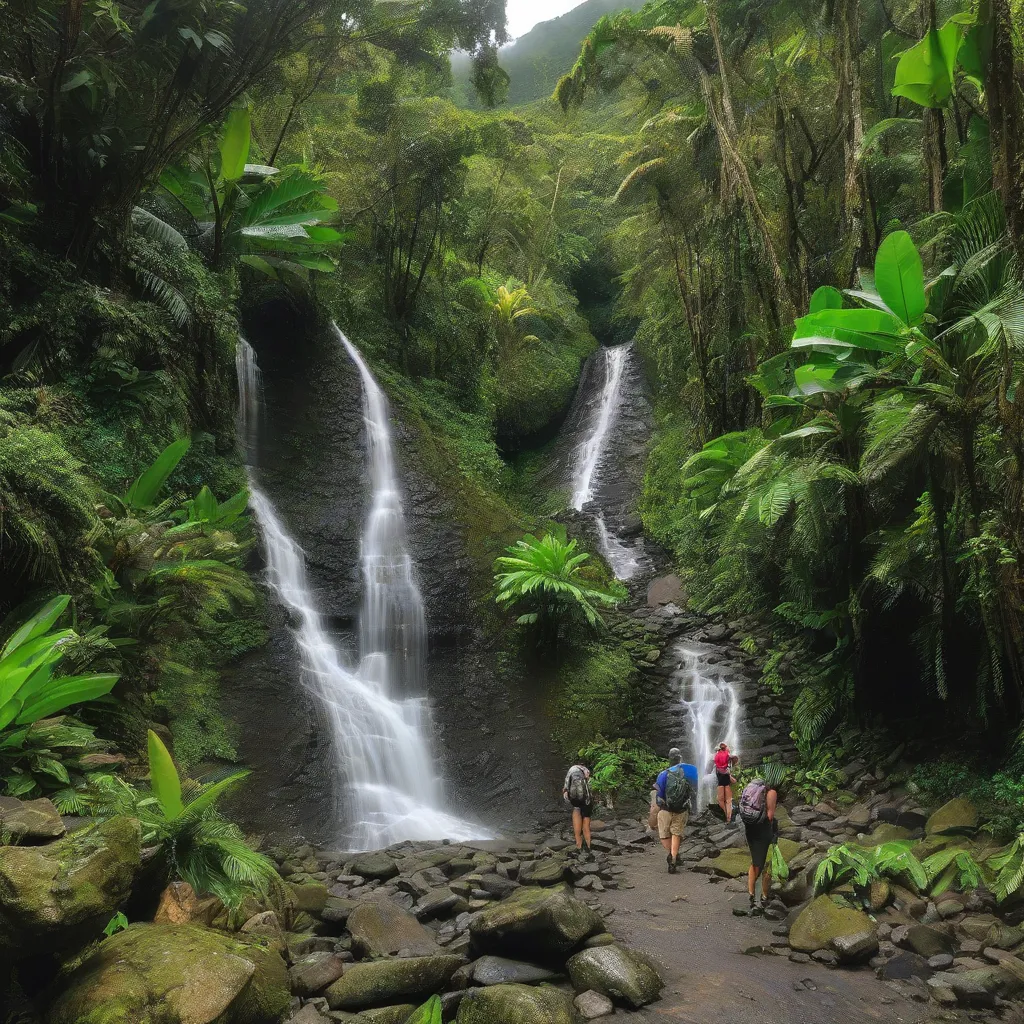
x,y
712,712
590,455
387,787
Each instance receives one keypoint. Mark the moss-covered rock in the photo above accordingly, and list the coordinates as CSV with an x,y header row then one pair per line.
x,y
174,974
385,982
535,923
516,1004
62,895
30,821
615,972
735,862
822,921
381,928
959,815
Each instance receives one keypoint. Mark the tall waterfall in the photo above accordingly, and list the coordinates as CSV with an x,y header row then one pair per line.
x,y
387,787
712,713
589,458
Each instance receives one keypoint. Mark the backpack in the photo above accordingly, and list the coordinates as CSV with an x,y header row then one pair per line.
x,y
579,787
678,791
754,802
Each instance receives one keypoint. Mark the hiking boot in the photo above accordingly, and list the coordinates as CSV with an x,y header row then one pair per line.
x,y
671,864
675,861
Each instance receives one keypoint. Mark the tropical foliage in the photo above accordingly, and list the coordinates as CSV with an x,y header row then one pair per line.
x,y
545,580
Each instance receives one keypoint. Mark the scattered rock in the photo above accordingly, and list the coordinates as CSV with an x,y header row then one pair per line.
x,y
592,1005
548,871
924,940
823,921
30,821
516,1004
374,865
958,815
667,590
194,975
536,923
180,905
381,928
616,972
312,973
383,982
498,970
856,948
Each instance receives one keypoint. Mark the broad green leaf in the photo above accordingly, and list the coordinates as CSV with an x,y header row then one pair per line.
x,y
809,431
37,624
163,777
826,297
210,794
924,73
234,144
899,277
233,507
62,693
260,264
142,494
976,52
323,235
812,380
204,508
9,711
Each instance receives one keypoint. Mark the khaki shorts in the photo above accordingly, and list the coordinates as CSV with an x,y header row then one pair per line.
x,y
672,823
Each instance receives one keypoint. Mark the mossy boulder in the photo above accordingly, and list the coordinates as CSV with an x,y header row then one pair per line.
x,y
385,982
615,972
381,928
30,821
735,862
516,1004
822,921
374,865
547,871
174,974
535,923
958,815
62,895
308,898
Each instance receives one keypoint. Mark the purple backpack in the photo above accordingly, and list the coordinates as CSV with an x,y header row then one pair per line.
x,y
754,803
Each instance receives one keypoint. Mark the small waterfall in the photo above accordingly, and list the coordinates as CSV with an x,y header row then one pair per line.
x,y
590,455
387,787
712,713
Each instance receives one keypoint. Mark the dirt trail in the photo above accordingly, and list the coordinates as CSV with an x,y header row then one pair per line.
x,y
700,944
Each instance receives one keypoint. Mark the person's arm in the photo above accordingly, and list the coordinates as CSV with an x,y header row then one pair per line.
x,y
769,802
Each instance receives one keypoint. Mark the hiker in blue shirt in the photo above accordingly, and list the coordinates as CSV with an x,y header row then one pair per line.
x,y
674,795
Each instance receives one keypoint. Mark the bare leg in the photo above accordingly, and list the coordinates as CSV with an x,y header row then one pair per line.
x,y
586,832
667,843
766,880
752,879
676,840
721,800
728,802
577,825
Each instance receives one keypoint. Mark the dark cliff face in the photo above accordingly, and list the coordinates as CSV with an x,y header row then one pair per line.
x,y
490,741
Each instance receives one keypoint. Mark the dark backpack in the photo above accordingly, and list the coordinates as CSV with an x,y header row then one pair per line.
x,y
678,791
579,788
754,802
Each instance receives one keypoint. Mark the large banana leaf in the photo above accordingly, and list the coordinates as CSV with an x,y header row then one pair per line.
x,y
899,278
234,144
924,73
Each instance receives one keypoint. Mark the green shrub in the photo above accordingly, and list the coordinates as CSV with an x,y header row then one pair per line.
x,y
621,766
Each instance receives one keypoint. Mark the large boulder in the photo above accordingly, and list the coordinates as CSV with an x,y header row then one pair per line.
x,y
547,871
822,921
499,970
62,895
516,1004
174,974
382,928
958,815
535,923
374,865
383,982
615,972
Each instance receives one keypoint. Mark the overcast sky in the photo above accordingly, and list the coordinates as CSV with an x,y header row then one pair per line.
x,y
524,14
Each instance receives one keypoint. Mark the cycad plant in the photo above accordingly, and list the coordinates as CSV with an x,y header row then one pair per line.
x,y
200,846
544,579
510,308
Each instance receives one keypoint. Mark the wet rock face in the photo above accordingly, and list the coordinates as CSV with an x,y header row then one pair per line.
x,y
313,466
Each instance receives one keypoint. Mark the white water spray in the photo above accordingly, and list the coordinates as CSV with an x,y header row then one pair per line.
x,y
712,713
387,787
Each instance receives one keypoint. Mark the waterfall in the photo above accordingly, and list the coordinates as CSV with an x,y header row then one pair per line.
x,y
590,451
387,786
712,711
589,458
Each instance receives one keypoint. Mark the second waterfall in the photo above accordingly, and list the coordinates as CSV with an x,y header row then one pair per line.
x,y
387,788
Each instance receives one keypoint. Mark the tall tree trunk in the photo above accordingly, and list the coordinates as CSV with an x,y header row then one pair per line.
x,y
1003,92
855,193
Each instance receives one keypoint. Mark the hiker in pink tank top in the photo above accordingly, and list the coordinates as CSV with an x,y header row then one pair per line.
x,y
723,775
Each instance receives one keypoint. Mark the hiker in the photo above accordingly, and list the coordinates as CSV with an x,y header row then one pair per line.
x,y
576,790
758,801
724,779
674,795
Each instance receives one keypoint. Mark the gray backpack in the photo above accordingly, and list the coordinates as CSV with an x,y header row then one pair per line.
x,y
754,802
